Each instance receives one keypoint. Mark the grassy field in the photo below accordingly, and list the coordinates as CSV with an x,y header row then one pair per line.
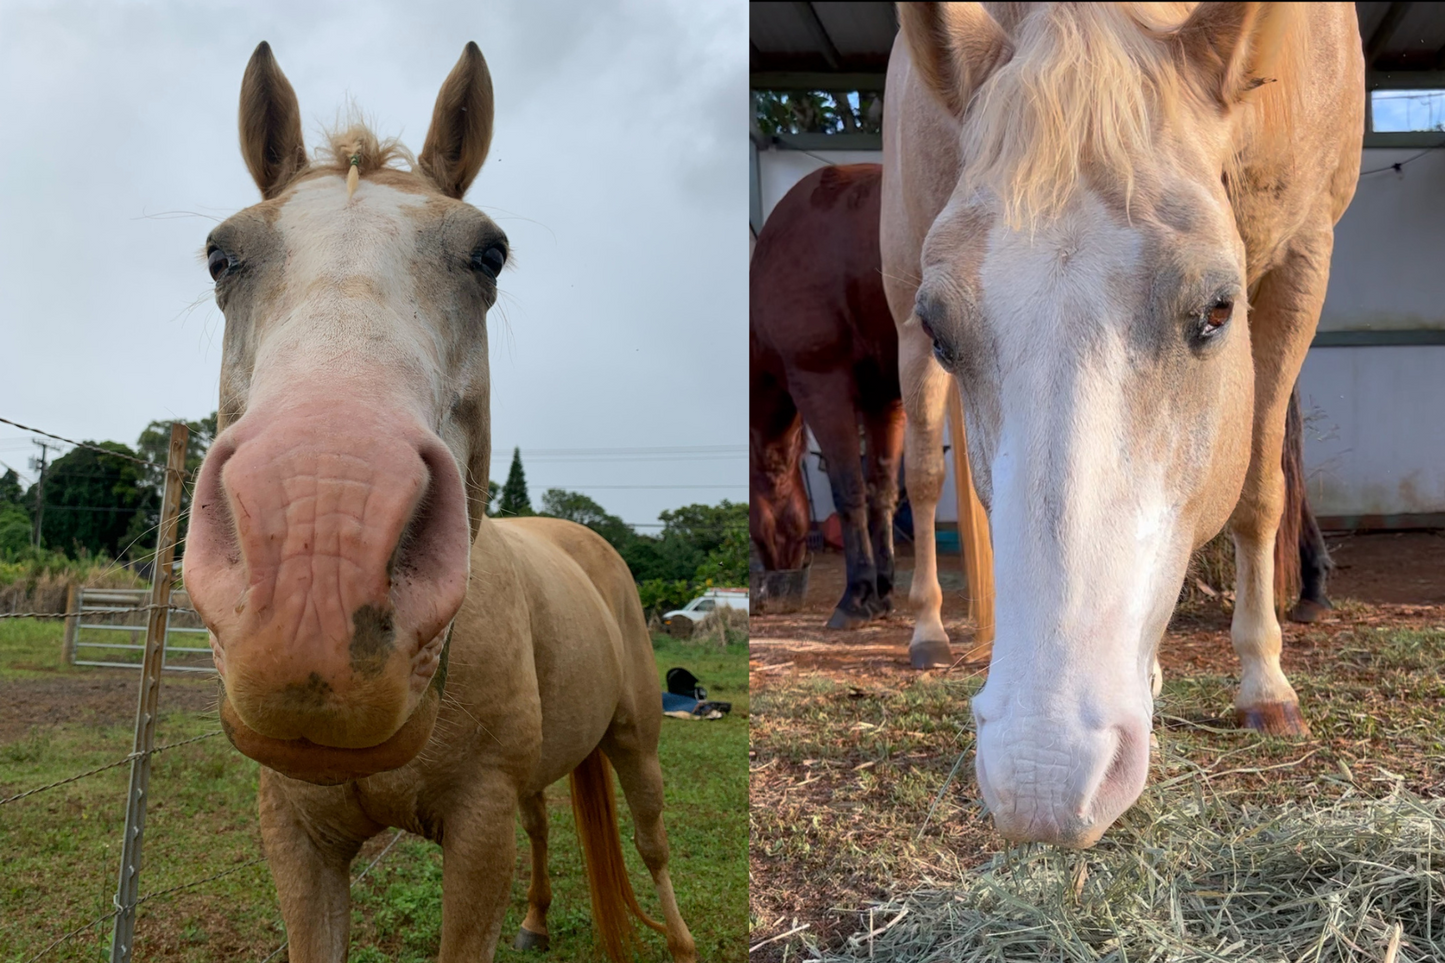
x,y
847,765
58,849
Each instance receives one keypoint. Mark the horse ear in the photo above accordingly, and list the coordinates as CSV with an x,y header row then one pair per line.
x,y
954,46
271,139
1225,47
461,125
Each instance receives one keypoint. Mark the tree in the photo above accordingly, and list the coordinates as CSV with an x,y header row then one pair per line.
x,y
11,490
15,524
154,445
514,500
576,507
91,498
493,490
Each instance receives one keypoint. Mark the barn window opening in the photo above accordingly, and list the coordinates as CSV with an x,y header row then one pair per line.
x,y
1398,111
783,112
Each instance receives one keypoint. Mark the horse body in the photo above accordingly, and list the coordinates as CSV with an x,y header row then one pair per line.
x,y
1079,200
390,655
823,352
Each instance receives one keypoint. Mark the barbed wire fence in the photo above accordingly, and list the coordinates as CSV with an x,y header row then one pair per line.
x,y
127,897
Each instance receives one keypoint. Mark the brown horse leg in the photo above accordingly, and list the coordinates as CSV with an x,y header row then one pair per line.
x,y
533,934
778,510
1283,316
310,862
479,851
826,401
925,388
640,774
884,432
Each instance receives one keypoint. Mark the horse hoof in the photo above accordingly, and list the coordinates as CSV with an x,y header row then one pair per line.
x,y
930,654
527,940
1273,718
846,620
1307,611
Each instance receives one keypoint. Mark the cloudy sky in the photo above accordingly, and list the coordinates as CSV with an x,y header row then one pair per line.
x,y
616,170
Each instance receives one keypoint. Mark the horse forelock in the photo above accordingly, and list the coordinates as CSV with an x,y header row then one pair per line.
x,y
1091,86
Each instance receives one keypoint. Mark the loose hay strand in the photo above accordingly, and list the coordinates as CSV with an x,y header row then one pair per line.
x,y
1195,878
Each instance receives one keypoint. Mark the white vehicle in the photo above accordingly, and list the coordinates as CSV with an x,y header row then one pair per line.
x,y
682,621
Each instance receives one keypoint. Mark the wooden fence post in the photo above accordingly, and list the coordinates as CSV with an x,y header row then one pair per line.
x,y
157,622
974,539
72,619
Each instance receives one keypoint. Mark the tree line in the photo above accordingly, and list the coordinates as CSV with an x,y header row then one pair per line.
x,y
104,505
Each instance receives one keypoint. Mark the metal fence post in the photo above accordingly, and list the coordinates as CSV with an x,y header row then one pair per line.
x,y
128,888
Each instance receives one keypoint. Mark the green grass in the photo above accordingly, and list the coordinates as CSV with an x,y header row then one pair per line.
x,y
59,849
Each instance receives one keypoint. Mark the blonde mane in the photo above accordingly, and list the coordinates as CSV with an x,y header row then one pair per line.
x,y
357,141
1088,85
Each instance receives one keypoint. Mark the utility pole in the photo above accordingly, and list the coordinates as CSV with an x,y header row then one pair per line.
x,y
40,494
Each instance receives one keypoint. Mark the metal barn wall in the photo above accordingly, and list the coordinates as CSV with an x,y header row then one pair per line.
x,y
1375,413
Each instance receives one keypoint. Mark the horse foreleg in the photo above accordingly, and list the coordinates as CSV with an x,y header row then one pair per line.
x,y
826,401
925,392
640,774
533,934
884,432
310,863
1282,319
479,851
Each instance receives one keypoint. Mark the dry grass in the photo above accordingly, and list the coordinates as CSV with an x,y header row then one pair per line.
x,y
1190,878
722,627
1210,577
1338,829
42,587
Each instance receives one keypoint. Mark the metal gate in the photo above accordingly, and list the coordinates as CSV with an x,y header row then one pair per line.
x,y
123,613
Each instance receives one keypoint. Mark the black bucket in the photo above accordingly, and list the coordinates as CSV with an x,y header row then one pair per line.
x,y
780,591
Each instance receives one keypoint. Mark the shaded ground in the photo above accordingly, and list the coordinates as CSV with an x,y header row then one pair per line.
x,y
851,747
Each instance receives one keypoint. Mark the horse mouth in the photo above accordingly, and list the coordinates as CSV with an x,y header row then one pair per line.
x,y
328,765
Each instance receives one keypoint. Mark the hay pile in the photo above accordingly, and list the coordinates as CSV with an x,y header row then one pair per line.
x,y
1199,879
723,626
1210,577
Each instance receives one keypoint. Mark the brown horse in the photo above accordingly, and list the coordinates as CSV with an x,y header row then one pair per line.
x,y
823,352
1111,225
390,655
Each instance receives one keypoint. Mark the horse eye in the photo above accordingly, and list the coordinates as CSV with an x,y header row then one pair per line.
x,y
490,260
218,262
1219,313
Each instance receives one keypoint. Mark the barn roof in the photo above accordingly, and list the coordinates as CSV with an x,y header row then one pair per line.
x,y
820,45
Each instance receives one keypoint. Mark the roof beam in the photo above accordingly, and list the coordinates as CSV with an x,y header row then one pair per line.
x,y
1385,32
819,32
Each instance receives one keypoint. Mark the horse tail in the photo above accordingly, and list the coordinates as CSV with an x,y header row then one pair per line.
x,y
1287,540
594,806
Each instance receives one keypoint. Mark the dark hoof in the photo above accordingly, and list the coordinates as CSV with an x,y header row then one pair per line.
x,y
527,940
1307,611
1273,718
930,654
847,620
879,607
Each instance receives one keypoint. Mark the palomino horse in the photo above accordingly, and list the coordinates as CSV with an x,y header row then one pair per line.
x,y
1112,225
823,350
389,654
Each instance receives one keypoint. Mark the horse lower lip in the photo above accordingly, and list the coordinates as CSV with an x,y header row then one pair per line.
x,y
325,765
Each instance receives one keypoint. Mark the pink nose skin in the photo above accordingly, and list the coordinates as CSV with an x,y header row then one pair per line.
x,y
1056,781
327,553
